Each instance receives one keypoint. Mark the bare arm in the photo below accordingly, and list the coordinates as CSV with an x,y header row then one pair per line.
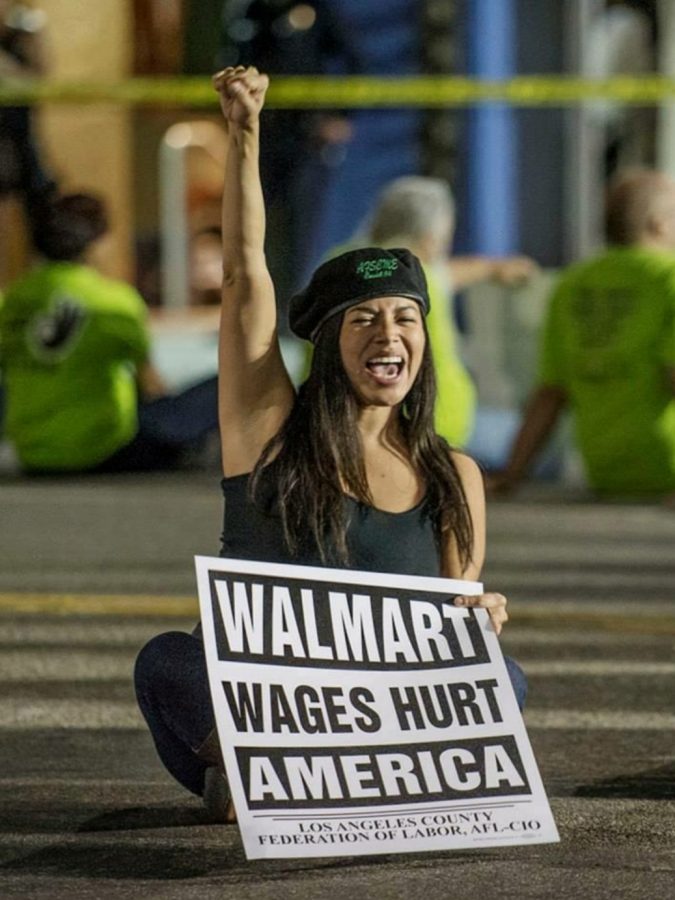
x,y
150,382
541,414
255,391
472,482
511,271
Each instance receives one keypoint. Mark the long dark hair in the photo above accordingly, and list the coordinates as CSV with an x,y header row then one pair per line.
x,y
318,454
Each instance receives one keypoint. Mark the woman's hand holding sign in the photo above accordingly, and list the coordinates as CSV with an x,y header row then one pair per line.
x,y
495,604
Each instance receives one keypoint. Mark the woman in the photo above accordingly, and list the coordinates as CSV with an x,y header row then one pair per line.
x,y
348,473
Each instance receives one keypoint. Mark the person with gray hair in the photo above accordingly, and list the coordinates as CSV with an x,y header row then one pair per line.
x,y
418,212
415,208
608,349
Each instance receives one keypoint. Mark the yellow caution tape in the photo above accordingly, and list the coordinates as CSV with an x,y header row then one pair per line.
x,y
352,92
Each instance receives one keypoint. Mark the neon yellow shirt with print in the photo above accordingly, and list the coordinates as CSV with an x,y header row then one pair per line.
x,y
609,340
70,340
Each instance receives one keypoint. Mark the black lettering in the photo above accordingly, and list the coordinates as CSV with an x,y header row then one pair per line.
x,y
335,710
244,708
488,686
311,716
359,698
408,707
463,698
443,717
282,715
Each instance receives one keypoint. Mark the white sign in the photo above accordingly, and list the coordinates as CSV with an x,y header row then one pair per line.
x,y
364,713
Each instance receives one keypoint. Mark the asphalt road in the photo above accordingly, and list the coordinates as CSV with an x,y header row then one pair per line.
x,y
89,569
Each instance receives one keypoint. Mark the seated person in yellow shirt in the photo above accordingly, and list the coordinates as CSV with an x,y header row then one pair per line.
x,y
81,393
608,350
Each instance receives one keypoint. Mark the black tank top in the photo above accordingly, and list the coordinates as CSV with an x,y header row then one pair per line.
x,y
401,543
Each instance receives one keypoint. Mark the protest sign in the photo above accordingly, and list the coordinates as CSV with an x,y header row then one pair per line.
x,y
364,713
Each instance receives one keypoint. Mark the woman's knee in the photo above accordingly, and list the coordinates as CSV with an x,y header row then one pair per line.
x,y
518,681
163,658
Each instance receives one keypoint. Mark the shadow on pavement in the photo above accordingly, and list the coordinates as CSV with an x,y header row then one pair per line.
x,y
653,784
145,817
141,861
115,861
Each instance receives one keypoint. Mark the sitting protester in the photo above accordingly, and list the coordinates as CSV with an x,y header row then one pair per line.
x,y
80,391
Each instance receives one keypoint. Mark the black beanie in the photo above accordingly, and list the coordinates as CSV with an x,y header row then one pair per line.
x,y
354,276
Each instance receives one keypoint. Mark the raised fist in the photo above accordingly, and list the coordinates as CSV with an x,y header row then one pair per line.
x,y
242,94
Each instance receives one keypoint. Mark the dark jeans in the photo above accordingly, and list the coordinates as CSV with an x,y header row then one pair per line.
x,y
173,693
169,428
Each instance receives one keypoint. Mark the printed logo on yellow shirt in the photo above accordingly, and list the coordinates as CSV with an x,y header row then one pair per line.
x,y
52,335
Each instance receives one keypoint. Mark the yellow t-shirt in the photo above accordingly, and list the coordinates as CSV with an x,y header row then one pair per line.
x,y
70,340
608,341
456,400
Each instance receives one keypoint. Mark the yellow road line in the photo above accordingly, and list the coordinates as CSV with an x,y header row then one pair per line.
x,y
183,606
99,604
637,624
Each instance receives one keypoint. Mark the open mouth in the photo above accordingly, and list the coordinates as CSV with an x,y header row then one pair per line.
x,y
385,369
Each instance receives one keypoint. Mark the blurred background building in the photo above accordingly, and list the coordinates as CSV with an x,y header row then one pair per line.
x,y
526,179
